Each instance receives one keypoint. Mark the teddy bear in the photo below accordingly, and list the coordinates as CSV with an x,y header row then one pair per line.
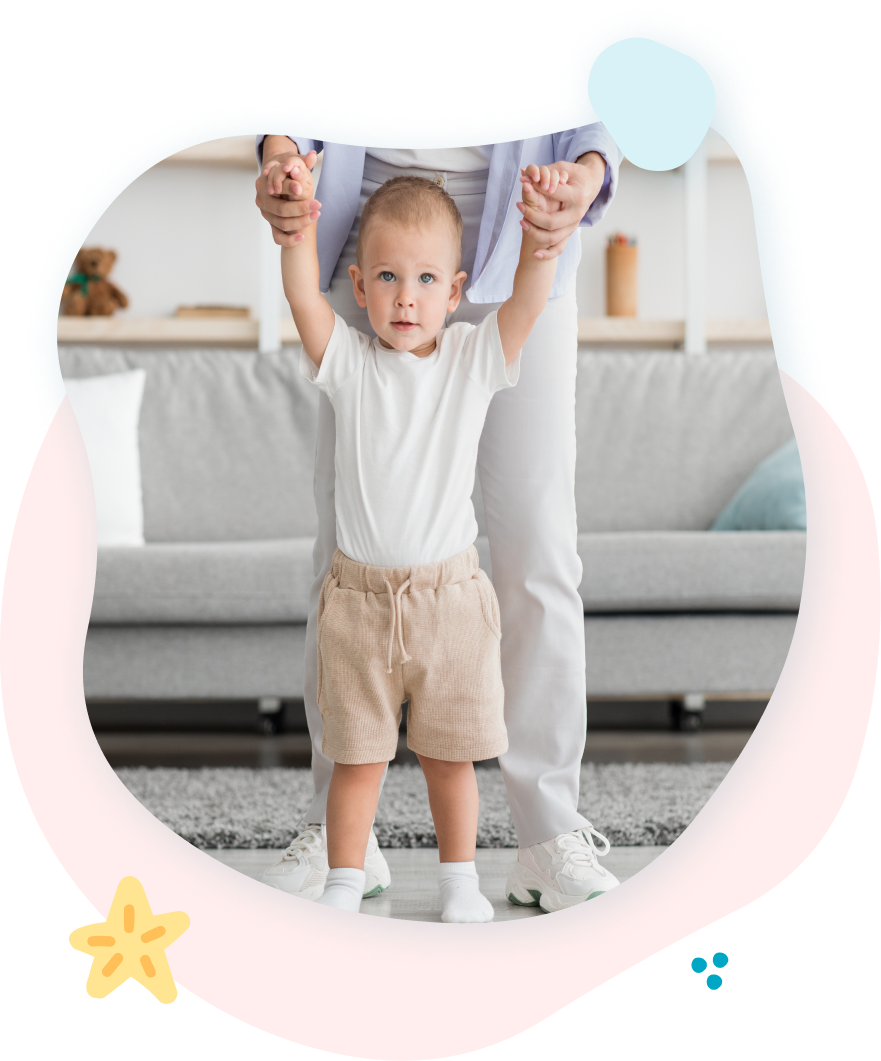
x,y
88,293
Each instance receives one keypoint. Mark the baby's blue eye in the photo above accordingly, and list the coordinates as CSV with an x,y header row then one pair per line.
x,y
387,276
426,278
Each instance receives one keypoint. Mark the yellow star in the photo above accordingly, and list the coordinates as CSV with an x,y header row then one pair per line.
x,y
131,942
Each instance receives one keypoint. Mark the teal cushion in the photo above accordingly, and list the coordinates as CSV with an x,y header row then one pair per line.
x,y
773,498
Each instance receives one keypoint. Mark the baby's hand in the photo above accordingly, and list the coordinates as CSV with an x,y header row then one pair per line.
x,y
285,191
290,176
536,181
546,178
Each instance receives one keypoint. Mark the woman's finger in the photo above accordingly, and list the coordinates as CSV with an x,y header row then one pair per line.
x,y
288,215
548,218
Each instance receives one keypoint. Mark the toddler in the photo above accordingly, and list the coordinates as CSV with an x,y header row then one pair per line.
x,y
405,613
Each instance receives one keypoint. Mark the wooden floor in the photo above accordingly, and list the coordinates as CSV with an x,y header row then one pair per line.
x,y
413,895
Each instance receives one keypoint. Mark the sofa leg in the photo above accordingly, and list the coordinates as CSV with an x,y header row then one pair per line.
x,y
269,710
686,714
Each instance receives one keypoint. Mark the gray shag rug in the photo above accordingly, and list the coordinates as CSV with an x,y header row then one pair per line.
x,y
633,804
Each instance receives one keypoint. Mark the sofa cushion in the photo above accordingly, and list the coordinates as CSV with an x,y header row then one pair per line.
x,y
209,582
661,656
665,439
204,582
692,571
107,409
773,498
227,438
269,581
194,662
627,655
227,441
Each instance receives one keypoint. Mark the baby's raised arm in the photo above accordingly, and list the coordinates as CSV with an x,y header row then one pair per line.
x,y
536,268
299,273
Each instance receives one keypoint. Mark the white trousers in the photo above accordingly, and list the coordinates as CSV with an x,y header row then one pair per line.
x,y
526,465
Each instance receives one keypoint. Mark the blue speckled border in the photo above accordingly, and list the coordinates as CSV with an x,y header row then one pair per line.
x,y
773,198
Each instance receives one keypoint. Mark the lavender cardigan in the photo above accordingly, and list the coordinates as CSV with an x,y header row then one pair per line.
x,y
498,244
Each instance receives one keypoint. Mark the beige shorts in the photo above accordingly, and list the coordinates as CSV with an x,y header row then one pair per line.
x,y
427,634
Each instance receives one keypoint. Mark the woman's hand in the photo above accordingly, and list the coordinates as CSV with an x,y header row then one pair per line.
x,y
573,196
285,190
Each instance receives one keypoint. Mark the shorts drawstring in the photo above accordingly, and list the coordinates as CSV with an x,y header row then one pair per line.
x,y
396,622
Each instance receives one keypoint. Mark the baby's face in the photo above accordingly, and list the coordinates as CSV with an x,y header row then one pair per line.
x,y
409,282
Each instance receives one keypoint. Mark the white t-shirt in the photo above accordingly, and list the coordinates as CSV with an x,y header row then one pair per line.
x,y
407,430
443,159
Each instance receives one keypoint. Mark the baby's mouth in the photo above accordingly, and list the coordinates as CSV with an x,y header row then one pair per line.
x,y
404,326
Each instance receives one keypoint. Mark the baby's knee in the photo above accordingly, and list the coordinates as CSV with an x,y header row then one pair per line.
x,y
444,769
354,775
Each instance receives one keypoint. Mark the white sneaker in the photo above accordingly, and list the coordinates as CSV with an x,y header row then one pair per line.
x,y
376,868
302,870
560,872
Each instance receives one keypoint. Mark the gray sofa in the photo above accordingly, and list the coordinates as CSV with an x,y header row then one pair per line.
x,y
213,606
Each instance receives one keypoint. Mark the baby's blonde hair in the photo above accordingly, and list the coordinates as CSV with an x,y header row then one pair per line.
x,y
411,202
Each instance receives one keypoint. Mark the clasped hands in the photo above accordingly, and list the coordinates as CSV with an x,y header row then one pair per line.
x,y
555,198
285,195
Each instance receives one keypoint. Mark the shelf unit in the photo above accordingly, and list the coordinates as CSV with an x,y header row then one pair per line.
x,y
237,331
238,151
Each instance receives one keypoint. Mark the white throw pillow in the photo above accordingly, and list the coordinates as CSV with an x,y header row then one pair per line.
x,y
108,409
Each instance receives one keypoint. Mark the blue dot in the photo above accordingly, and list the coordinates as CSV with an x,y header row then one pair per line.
x,y
698,965
720,960
714,982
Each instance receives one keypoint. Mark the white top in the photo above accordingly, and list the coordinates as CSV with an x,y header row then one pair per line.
x,y
407,430
437,159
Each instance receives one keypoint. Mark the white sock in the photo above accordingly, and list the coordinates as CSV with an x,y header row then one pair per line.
x,y
343,889
460,894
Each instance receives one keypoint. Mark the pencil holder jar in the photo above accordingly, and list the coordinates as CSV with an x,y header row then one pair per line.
x,y
621,273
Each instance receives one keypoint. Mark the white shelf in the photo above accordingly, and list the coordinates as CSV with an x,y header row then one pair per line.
x,y
230,151
225,331
167,331
632,330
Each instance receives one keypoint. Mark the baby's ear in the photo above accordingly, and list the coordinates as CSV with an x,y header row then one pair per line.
x,y
456,291
358,285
